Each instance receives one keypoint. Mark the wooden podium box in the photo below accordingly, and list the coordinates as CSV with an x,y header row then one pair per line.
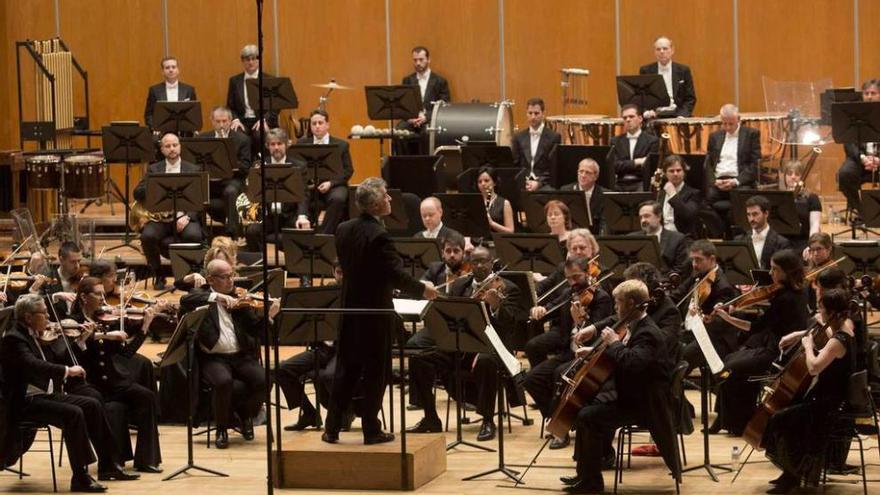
x,y
307,462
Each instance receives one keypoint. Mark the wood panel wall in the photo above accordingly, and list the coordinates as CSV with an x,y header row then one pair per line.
x,y
120,42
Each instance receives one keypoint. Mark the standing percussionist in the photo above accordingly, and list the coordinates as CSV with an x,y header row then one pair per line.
x,y
169,90
531,147
432,87
372,269
333,193
244,111
630,150
224,192
677,79
862,159
182,226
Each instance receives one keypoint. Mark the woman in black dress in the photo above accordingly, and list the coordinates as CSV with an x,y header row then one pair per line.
x,y
796,437
498,209
807,205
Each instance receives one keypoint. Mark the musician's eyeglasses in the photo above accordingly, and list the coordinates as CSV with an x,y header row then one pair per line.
x,y
224,276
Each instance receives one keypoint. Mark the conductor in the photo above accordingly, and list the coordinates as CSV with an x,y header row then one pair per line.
x,y
372,270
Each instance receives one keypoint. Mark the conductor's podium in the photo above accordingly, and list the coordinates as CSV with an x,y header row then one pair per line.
x,y
307,462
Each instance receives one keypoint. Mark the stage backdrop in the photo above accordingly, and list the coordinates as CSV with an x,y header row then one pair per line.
x,y
489,50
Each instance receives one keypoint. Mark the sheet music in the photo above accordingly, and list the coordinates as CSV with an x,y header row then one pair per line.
x,y
694,323
512,364
411,307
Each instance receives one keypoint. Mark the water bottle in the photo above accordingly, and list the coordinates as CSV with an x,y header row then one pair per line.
x,y
735,453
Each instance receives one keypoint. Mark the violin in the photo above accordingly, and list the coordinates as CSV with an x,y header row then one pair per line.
x,y
493,283
249,300
464,270
68,328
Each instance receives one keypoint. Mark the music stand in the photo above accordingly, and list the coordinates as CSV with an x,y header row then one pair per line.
x,y
308,253
616,253
565,164
182,346
861,257
178,117
284,184
417,254
835,95
186,258
186,191
486,156
305,329
254,275
621,210
216,156
127,144
648,91
783,214
278,93
416,174
539,253
397,221
737,259
465,213
534,201
855,122
394,102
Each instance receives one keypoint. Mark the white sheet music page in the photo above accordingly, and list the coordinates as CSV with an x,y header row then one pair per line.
x,y
694,323
510,362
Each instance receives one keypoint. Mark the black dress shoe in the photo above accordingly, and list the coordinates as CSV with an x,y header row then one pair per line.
x,y
247,429
715,427
159,283
570,480
148,469
557,443
222,440
380,437
117,475
427,425
487,431
347,420
305,421
87,484
609,461
583,486
330,437
784,484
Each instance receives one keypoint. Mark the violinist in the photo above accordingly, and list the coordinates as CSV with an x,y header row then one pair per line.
x,y
796,438
35,383
103,358
587,302
673,245
642,373
764,239
787,312
502,302
714,288
498,209
807,204
228,346
61,283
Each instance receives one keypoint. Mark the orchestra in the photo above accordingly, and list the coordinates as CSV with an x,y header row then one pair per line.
x,y
73,356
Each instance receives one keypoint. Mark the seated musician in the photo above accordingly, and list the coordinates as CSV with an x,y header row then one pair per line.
x,y
195,280
332,194
787,313
642,370
504,313
432,87
676,77
764,239
174,227
807,204
673,244
431,212
33,379
572,316
498,209
630,150
244,111
797,437
681,203
225,192
60,284
289,215
732,158
862,160
228,346
554,291
557,216
169,90
724,337
587,175
103,352
531,147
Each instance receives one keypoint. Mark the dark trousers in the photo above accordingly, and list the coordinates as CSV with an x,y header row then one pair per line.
x,y
142,411
253,233
539,347
157,236
293,370
222,204
364,351
850,178
479,377
335,205
737,396
542,379
238,382
595,426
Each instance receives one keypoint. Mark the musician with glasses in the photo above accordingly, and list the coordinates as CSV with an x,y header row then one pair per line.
x,y
862,160
225,192
587,176
531,147
169,90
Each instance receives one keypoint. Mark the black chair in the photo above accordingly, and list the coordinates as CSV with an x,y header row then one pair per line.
x,y
24,429
858,419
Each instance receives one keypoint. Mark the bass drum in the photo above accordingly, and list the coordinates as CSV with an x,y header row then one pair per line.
x,y
450,122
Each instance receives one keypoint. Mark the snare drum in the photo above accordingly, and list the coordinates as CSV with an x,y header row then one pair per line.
x,y
772,127
586,129
450,122
84,176
43,171
688,135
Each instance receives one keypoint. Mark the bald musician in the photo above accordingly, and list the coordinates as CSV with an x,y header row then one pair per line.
x,y
676,77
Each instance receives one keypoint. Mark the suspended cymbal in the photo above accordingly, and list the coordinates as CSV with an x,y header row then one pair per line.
x,y
331,85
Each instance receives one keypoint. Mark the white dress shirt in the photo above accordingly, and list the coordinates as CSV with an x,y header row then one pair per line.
x,y
666,72
534,139
248,111
323,140
171,92
633,139
227,343
276,206
727,161
432,234
668,211
758,239
172,167
588,195
423,81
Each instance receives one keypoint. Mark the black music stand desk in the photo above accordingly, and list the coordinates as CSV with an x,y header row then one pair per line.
x,y
417,253
284,184
621,210
177,117
648,91
616,253
216,156
126,144
737,259
307,253
466,213
539,253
